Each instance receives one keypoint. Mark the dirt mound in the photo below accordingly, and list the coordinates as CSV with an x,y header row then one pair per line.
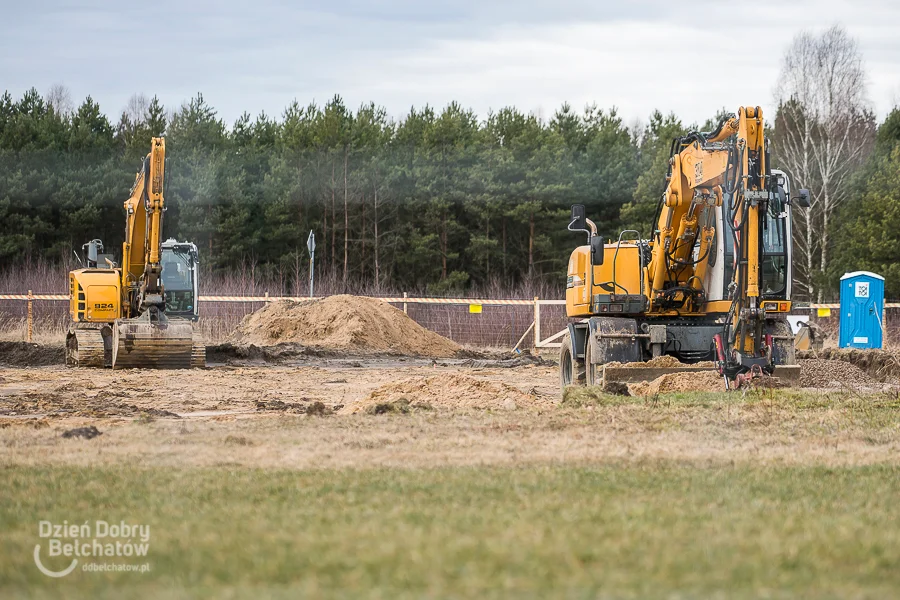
x,y
698,381
449,391
823,373
349,323
24,354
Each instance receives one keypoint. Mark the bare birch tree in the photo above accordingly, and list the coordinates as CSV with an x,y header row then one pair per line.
x,y
59,97
134,116
823,131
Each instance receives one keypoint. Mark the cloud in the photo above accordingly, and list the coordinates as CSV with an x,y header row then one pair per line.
x,y
530,54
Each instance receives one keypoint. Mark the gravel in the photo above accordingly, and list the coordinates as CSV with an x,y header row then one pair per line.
x,y
822,373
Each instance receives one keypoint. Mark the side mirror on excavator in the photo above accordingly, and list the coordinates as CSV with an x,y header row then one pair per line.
x,y
579,218
597,249
803,198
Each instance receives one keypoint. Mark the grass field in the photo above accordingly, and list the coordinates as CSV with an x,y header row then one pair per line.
x,y
651,530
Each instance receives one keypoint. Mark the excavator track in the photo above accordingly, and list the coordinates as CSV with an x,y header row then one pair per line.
x,y
144,344
198,355
85,348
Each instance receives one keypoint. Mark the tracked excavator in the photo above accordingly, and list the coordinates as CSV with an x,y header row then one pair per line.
x,y
710,285
139,314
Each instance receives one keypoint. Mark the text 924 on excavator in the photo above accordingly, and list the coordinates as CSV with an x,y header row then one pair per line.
x,y
139,314
712,282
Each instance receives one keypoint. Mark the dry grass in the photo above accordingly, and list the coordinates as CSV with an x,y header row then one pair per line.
x,y
796,428
45,331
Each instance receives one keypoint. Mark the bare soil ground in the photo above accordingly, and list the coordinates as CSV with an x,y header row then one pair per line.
x,y
364,412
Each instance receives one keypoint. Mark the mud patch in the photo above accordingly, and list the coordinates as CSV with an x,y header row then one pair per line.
x,y
445,391
55,405
524,360
238,440
308,408
87,433
223,353
24,354
341,323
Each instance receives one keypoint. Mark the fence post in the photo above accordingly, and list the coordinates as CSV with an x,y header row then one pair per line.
x,y
404,304
30,320
267,297
537,324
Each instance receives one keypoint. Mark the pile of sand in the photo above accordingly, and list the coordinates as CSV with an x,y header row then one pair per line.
x,y
697,381
447,391
349,323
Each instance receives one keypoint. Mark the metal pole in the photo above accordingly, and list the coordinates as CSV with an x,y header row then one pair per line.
x,y
311,246
537,323
404,304
30,320
312,271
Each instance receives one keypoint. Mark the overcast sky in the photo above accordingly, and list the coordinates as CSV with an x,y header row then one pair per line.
x,y
689,58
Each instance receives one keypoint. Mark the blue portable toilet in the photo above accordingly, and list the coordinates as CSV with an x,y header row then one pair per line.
x,y
862,307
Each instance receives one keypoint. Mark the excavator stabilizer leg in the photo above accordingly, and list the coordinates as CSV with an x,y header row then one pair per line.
x,y
142,343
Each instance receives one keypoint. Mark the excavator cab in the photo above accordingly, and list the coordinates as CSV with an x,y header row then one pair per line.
x,y
180,279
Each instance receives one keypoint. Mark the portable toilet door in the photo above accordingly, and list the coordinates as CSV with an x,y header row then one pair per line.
x,y
862,310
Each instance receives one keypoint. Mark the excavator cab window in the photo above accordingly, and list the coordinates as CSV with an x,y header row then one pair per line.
x,y
773,260
774,256
178,281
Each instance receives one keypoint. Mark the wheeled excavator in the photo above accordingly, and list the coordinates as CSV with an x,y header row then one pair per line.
x,y
712,282
139,314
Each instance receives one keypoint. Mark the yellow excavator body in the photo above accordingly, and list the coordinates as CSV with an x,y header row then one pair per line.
x,y
140,314
708,283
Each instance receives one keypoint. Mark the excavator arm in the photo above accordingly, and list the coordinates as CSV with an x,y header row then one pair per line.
x,y
147,337
725,169
712,280
143,233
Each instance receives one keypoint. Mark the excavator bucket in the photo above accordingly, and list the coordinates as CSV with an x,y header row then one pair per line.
x,y
142,343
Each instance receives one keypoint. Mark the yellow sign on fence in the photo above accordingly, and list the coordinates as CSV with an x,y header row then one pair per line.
x,y
475,309
823,312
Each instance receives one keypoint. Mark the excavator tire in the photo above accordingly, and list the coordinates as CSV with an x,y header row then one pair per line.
x,y
85,348
571,369
140,343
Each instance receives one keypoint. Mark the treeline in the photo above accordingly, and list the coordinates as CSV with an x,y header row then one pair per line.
x,y
435,202
438,202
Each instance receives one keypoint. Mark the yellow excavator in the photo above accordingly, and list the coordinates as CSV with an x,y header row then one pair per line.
x,y
711,283
139,314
